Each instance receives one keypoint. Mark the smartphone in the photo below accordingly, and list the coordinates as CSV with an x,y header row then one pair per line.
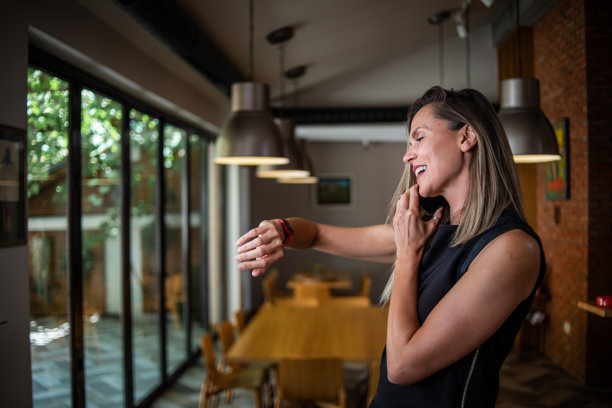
x,y
429,205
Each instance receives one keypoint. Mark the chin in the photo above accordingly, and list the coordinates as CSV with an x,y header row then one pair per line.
x,y
425,192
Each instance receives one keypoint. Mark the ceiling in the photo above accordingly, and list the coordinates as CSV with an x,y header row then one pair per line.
x,y
358,53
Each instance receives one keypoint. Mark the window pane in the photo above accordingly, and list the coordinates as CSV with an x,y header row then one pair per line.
x,y
174,157
47,152
197,222
100,131
144,135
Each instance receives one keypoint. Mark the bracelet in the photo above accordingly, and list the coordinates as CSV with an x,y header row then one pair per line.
x,y
288,231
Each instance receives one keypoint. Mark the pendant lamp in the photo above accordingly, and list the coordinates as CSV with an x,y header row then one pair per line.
x,y
250,137
530,134
295,167
439,19
307,161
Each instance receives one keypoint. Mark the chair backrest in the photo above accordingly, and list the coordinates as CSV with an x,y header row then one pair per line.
x,y
240,320
366,284
225,330
208,353
270,285
311,379
374,376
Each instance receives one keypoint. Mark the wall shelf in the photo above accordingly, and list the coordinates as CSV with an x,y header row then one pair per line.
x,y
596,309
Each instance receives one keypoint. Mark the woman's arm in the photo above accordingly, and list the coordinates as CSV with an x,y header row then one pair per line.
x,y
263,246
499,278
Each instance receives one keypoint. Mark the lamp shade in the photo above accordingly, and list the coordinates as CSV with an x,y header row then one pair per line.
x,y
250,137
530,134
307,166
295,167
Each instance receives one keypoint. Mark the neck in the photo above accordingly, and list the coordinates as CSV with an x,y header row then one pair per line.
x,y
456,215
457,195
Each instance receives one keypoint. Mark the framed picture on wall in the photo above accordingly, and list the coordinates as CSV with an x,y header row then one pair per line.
x,y
557,172
334,192
12,186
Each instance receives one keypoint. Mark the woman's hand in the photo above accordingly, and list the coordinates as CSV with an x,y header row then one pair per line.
x,y
260,247
411,232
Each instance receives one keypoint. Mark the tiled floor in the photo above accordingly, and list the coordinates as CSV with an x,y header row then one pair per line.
x,y
103,360
536,382
532,381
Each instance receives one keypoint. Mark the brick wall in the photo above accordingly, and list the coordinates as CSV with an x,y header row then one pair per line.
x,y
598,15
572,62
560,65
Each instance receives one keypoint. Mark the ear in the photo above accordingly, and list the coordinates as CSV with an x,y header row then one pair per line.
x,y
467,138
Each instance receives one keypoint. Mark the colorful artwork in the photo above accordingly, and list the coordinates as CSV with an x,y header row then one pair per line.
x,y
557,173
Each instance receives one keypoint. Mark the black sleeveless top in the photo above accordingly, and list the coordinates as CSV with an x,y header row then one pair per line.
x,y
473,381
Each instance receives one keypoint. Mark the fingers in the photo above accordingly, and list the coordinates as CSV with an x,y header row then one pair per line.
x,y
259,251
264,226
264,234
413,203
258,272
259,248
248,236
409,201
437,217
259,265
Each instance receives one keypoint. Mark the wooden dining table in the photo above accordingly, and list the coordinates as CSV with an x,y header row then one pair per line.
x,y
307,284
352,334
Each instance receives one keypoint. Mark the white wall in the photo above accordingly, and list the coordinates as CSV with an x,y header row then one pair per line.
x,y
92,37
376,171
15,381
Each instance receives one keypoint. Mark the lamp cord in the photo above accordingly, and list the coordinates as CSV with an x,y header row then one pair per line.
x,y
468,50
296,93
518,38
251,41
441,53
281,53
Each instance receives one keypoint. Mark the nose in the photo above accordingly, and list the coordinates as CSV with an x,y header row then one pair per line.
x,y
409,156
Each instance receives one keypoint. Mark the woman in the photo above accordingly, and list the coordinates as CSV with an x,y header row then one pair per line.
x,y
463,278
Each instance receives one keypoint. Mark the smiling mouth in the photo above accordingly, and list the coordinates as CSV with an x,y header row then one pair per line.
x,y
419,169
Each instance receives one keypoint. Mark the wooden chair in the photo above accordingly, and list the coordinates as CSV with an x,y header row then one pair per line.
x,y
271,289
218,381
174,297
352,301
240,320
315,380
366,284
225,330
374,371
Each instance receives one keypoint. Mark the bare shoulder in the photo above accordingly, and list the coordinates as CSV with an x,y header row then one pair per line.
x,y
513,257
516,245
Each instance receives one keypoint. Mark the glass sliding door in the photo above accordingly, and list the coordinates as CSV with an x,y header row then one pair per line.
x,y
174,281
47,152
80,302
197,231
101,249
144,136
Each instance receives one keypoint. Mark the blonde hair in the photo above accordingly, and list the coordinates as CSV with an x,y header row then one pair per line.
x,y
494,184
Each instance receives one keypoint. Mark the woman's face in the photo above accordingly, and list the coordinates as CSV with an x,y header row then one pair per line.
x,y
434,154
